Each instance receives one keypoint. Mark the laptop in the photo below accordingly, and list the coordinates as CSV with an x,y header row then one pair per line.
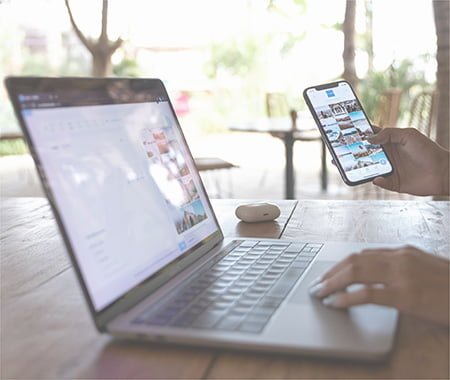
x,y
146,245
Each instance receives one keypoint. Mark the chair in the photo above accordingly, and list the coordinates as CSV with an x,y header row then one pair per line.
x,y
213,164
278,106
423,112
388,108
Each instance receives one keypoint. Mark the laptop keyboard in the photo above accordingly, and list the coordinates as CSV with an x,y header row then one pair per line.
x,y
239,292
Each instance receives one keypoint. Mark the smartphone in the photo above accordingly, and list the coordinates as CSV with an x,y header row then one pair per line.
x,y
344,126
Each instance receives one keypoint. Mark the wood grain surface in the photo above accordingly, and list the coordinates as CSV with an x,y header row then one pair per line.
x,y
47,331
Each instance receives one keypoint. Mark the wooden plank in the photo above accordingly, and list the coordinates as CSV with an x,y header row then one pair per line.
x,y
32,250
48,333
421,350
424,224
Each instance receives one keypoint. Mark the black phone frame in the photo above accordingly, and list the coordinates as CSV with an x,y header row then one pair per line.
x,y
325,138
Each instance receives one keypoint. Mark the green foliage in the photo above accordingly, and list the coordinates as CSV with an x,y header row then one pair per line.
x,y
370,90
236,57
291,41
405,74
16,146
127,68
339,26
37,64
277,6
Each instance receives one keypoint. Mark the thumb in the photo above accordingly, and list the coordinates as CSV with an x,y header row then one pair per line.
x,y
388,135
383,182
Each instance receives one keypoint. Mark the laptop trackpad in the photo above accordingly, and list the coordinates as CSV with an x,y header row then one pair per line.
x,y
301,295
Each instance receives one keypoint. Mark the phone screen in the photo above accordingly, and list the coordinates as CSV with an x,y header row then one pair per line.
x,y
344,124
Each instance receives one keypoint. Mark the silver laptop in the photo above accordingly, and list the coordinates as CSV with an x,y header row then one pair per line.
x,y
147,248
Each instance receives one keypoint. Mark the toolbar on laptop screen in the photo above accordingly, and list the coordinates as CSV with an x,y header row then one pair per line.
x,y
126,188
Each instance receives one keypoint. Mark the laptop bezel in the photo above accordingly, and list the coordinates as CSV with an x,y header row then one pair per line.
x,y
102,317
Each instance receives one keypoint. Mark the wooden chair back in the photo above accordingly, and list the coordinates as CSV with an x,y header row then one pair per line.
x,y
388,108
277,106
423,112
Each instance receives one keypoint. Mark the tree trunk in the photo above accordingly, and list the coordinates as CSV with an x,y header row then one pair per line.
x,y
369,34
441,18
348,28
101,64
101,49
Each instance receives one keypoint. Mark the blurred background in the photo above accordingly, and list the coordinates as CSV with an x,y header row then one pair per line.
x,y
221,60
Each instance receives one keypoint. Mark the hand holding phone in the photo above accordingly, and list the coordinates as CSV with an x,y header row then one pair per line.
x,y
345,128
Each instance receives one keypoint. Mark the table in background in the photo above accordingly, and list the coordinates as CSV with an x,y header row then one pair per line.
x,y
282,128
47,331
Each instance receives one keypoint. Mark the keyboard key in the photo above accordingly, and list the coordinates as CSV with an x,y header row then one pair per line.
x,y
243,283
257,318
248,243
289,255
279,244
239,267
295,247
229,322
229,277
285,259
263,282
195,309
266,311
219,305
251,327
184,320
246,302
300,264
228,297
252,294
259,266
315,245
207,319
202,303
285,283
237,291
158,320
269,302
207,298
181,302
254,272
260,288
240,310
270,276
308,254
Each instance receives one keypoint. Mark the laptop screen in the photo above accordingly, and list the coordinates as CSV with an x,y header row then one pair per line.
x,y
122,178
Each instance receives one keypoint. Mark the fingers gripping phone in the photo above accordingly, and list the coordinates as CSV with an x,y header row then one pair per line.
x,y
344,126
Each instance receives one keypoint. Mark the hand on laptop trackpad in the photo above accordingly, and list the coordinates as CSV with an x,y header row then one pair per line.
x,y
301,294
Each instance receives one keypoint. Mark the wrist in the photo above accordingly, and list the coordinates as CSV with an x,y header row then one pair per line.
x,y
445,175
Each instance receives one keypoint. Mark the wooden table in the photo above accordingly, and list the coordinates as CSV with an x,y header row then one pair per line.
x,y
282,128
47,331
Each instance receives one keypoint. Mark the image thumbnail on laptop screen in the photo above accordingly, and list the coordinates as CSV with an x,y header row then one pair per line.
x,y
122,178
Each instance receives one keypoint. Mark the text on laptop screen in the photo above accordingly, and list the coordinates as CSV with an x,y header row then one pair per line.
x,y
125,185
